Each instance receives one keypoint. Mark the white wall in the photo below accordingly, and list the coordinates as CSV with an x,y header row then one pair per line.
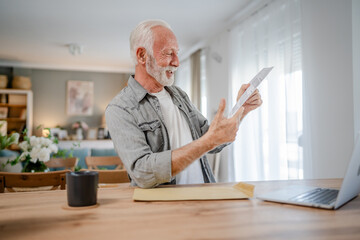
x,y
356,62
328,79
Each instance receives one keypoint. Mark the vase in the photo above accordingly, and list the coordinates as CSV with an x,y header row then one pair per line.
x,y
79,134
39,166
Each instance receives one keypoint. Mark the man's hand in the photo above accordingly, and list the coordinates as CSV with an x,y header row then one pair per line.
x,y
253,102
223,130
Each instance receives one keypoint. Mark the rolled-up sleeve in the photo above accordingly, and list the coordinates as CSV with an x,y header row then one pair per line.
x,y
145,168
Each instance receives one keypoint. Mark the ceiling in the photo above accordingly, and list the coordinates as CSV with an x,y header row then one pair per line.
x,y
36,33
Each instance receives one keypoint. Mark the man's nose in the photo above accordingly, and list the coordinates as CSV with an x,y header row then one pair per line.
x,y
175,61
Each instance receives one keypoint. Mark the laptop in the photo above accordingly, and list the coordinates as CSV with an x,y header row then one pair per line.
x,y
323,197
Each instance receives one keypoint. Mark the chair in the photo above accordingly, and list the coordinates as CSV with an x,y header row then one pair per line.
x,y
113,176
81,153
67,163
27,180
93,162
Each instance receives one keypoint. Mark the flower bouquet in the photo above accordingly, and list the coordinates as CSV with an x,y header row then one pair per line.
x,y
36,151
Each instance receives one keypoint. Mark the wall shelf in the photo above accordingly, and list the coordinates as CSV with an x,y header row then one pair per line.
x,y
16,108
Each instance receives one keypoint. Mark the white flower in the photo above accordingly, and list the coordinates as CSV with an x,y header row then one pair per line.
x,y
45,142
37,149
53,148
44,154
24,146
34,154
34,141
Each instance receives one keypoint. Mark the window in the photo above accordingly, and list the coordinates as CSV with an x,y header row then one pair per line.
x,y
267,146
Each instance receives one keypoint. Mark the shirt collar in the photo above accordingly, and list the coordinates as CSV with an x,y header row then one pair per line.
x,y
139,91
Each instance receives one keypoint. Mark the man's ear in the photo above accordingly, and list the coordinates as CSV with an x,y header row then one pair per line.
x,y
141,55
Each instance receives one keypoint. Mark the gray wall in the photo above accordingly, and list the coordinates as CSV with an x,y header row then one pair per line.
x,y
356,61
49,88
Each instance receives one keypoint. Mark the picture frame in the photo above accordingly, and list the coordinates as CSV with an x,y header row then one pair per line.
x,y
3,112
60,134
80,98
92,134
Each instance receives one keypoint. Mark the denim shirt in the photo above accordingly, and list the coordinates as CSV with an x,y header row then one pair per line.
x,y
140,137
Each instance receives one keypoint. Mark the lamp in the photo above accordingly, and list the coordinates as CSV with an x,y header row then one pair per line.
x,y
75,48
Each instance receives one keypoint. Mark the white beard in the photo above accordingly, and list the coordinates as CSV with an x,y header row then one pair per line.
x,y
159,73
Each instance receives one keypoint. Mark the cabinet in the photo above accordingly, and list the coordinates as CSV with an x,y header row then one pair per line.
x,y
16,108
101,144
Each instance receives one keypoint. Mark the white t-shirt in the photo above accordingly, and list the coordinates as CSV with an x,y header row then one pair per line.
x,y
180,135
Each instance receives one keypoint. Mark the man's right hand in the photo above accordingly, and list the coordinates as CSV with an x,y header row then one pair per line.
x,y
223,130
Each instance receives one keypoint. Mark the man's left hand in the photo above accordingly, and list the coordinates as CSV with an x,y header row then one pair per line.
x,y
253,102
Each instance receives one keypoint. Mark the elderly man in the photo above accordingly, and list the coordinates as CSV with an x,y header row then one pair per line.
x,y
157,132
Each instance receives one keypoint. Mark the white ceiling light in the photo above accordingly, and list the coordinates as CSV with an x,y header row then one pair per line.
x,y
75,49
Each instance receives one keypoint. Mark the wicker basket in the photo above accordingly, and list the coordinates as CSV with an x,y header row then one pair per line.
x,y
21,82
3,81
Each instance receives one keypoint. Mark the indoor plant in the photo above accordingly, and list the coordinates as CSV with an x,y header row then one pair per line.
x,y
6,141
6,156
35,152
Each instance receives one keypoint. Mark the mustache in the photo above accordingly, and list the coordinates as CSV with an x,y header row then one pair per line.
x,y
170,68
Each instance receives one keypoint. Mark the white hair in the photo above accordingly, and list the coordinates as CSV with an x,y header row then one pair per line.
x,y
142,36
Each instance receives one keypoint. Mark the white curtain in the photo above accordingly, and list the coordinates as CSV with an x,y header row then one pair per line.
x,y
267,145
191,77
183,76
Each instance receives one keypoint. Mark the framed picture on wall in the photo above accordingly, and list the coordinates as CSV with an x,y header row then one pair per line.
x,y
80,98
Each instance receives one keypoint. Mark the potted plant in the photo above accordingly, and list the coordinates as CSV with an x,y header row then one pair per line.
x,y
6,156
35,152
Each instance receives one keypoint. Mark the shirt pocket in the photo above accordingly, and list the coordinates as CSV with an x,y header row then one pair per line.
x,y
153,134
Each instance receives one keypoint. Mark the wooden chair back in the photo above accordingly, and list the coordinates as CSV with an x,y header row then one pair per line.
x,y
67,163
94,161
26,180
113,176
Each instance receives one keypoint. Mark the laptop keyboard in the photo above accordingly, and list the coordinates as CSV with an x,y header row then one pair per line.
x,y
319,196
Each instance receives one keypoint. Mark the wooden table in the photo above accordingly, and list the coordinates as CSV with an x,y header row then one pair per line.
x,y
40,215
